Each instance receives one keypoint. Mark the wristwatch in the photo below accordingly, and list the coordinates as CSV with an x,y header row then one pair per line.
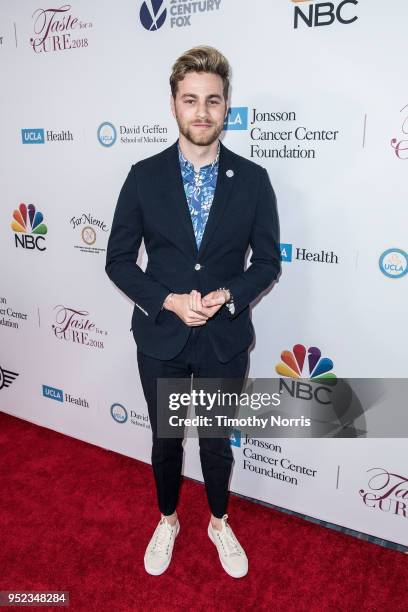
x,y
230,304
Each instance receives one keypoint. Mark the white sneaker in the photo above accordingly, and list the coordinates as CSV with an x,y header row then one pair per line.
x,y
232,555
159,550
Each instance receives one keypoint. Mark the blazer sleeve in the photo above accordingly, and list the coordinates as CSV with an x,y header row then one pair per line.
x,y
265,259
123,248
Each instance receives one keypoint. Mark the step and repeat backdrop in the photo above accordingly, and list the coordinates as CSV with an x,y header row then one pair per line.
x,y
319,98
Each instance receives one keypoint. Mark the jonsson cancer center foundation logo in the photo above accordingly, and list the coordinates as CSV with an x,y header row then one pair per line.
x,y
29,227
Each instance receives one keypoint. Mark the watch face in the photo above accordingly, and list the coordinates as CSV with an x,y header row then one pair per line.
x,y
88,235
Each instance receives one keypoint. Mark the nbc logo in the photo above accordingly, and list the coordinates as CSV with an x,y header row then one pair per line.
x,y
314,13
293,362
319,372
29,228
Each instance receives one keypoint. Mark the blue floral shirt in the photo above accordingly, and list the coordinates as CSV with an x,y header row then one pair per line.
x,y
199,188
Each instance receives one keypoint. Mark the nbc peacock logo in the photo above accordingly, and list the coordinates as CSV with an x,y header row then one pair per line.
x,y
319,368
29,228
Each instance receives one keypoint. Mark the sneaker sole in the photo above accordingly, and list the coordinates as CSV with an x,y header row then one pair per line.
x,y
229,572
161,571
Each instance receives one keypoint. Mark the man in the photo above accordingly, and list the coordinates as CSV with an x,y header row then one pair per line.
x,y
198,207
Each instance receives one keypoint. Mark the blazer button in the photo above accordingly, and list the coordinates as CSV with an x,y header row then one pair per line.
x,y
197,266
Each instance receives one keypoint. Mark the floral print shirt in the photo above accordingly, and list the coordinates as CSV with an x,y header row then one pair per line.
x,y
199,188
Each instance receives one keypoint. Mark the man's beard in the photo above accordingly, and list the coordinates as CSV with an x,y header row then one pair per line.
x,y
203,138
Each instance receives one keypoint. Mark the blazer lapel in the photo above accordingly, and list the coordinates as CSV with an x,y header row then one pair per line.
x,y
221,197
175,209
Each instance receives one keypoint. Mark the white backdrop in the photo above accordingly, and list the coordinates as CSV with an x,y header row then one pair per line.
x,y
342,194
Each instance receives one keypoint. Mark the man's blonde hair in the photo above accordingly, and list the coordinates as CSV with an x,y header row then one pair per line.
x,y
200,59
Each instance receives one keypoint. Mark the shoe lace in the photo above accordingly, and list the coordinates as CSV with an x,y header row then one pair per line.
x,y
227,537
162,538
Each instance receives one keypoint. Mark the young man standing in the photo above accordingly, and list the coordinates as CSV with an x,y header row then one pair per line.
x,y
198,206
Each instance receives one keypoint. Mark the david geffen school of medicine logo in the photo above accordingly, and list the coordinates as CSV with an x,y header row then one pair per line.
x,y
394,263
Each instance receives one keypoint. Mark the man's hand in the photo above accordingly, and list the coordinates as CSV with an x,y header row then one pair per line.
x,y
182,305
199,306
194,310
214,300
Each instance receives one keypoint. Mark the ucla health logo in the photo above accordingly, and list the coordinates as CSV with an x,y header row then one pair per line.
x,y
394,263
293,362
237,118
59,396
153,14
29,228
6,377
32,136
106,134
52,393
302,254
40,136
285,252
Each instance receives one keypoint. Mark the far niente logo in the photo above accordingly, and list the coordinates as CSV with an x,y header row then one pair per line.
x,y
31,223
293,361
153,14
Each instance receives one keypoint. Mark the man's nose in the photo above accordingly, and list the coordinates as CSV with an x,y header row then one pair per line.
x,y
202,110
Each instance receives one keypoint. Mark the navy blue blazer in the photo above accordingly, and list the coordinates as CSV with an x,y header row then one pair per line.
x,y
152,205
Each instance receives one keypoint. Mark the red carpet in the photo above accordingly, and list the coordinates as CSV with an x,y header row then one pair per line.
x,y
77,518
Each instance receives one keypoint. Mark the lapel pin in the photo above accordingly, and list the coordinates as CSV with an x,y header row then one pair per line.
x,y
230,173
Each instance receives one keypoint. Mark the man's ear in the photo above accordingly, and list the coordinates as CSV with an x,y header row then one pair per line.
x,y
172,105
226,109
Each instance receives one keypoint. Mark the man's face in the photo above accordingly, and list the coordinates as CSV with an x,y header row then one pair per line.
x,y
199,107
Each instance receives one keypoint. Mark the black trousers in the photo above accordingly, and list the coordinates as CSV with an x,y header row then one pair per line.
x,y
197,358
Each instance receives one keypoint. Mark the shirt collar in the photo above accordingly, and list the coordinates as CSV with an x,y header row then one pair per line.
x,y
187,165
